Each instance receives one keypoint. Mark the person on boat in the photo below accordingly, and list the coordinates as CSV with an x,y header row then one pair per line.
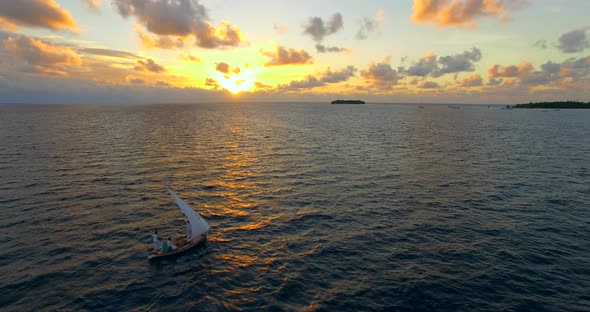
x,y
170,244
156,240
189,230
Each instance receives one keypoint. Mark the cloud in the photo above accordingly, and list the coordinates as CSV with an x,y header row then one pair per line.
x,y
149,66
541,44
260,85
462,13
225,68
160,42
324,49
93,4
428,85
317,29
190,57
109,53
472,81
281,29
135,80
171,20
327,77
35,13
424,67
458,62
381,74
283,56
370,25
512,71
37,56
573,41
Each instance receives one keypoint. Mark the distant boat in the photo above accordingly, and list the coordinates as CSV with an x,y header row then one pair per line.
x,y
348,102
199,229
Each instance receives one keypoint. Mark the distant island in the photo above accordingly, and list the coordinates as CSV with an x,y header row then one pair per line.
x,y
555,105
348,102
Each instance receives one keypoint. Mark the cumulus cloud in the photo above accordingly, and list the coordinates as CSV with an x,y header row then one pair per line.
x,y
574,41
472,81
135,80
286,56
370,25
171,20
37,56
35,13
149,66
327,77
381,74
318,29
160,42
109,53
512,71
462,13
324,49
463,62
424,67
428,85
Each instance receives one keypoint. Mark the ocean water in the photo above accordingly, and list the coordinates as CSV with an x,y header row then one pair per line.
x,y
313,207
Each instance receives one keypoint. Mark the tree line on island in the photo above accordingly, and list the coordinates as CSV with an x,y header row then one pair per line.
x,y
560,105
348,102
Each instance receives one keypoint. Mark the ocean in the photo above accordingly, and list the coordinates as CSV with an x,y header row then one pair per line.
x,y
313,207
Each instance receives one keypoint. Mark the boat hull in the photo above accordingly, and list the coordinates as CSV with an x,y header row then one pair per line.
x,y
153,256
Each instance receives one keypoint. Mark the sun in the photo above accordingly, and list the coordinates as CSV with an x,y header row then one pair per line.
x,y
235,84
238,81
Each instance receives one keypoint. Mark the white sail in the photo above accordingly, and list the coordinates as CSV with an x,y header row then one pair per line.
x,y
198,225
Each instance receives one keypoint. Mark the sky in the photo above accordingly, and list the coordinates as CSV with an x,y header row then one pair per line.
x,y
185,51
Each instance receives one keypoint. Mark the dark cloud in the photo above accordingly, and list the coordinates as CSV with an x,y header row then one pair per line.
x,y
463,62
573,41
424,67
370,25
551,67
495,82
109,53
283,56
211,82
428,85
163,84
381,74
222,67
149,66
136,80
35,13
463,13
324,49
317,29
170,20
541,44
327,77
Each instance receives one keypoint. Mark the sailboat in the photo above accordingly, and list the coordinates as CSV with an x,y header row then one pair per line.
x,y
199,228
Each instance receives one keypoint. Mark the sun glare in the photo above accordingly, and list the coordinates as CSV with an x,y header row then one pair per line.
x,y
236,83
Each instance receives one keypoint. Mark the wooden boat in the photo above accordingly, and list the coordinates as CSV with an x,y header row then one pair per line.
x,y
197,227
177,251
